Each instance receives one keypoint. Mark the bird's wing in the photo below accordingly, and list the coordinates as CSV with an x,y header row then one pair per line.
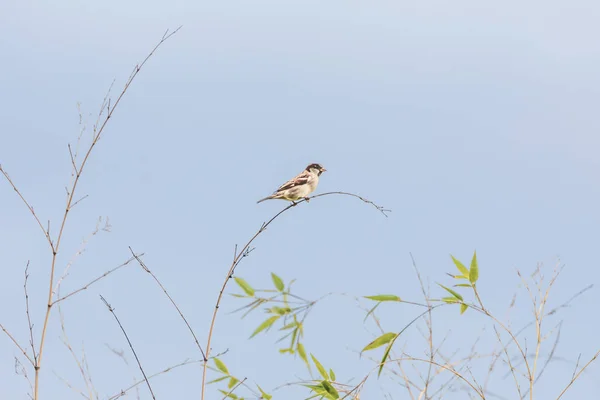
x,y
301,179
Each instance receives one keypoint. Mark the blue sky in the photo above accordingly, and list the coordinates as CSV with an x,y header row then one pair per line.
x,y
475,123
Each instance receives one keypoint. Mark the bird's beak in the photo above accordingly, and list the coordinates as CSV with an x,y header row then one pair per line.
x,y
323,169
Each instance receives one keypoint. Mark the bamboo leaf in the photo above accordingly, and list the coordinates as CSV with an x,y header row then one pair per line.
x,y
302,353
384,297
245,286
219,379
266,324
221,366
331,374
463,270
452,292
386,353
264,394
320,367
227,394
330,389
463,308
474,272
380,341
232,382
278,282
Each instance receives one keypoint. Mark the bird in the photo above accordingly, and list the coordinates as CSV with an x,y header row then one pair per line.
x,y
300,186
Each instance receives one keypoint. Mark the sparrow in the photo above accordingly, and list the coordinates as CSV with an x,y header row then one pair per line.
x,y
299,187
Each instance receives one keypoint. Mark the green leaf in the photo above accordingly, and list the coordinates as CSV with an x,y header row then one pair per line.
x,y
283,351
463,308
227,394
265,325
219,379
452,292
330,389
278,282
302,353
265,395
245,286
450,300
371,311
221,366
384,297
463,270
386,353
463,285
232,382
474,272
280,310
331,374
320,367
380,341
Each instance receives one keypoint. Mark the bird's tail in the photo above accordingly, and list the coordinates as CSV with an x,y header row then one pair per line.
x,y
266,198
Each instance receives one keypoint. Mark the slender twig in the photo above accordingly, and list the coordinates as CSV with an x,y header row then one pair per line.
x,y
244,253
30,325
112,311
576,375
143,265
17,344
233,388
94,280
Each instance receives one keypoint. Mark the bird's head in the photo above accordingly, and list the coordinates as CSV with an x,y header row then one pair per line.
x,y
316,169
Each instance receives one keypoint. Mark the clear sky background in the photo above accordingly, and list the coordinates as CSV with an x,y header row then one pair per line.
x,y
475,122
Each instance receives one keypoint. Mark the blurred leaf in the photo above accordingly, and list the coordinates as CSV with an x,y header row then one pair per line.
x,y
474,273
245,286
278,282
330,389
450,300
386,353
232,382
452,292
227,394
380,341
221,366
302,353
320,367
219,379
463,270
265,325
283,351
463,308
384,297
289,326
265,395
280,310
331,374
463,285
371,311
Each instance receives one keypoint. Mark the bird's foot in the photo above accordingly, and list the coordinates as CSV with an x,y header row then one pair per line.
x,y
307,199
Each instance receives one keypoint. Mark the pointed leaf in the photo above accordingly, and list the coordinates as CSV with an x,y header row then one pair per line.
x,y
265,325
380,341
245,286
221,366
330,389
320,367
386,353
384,297
450,300
463,270
227,394
278,282
280,310
264,395
302,353
463,285
331,374
474,272
219,379
371,311
463,308
232,382
452,292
